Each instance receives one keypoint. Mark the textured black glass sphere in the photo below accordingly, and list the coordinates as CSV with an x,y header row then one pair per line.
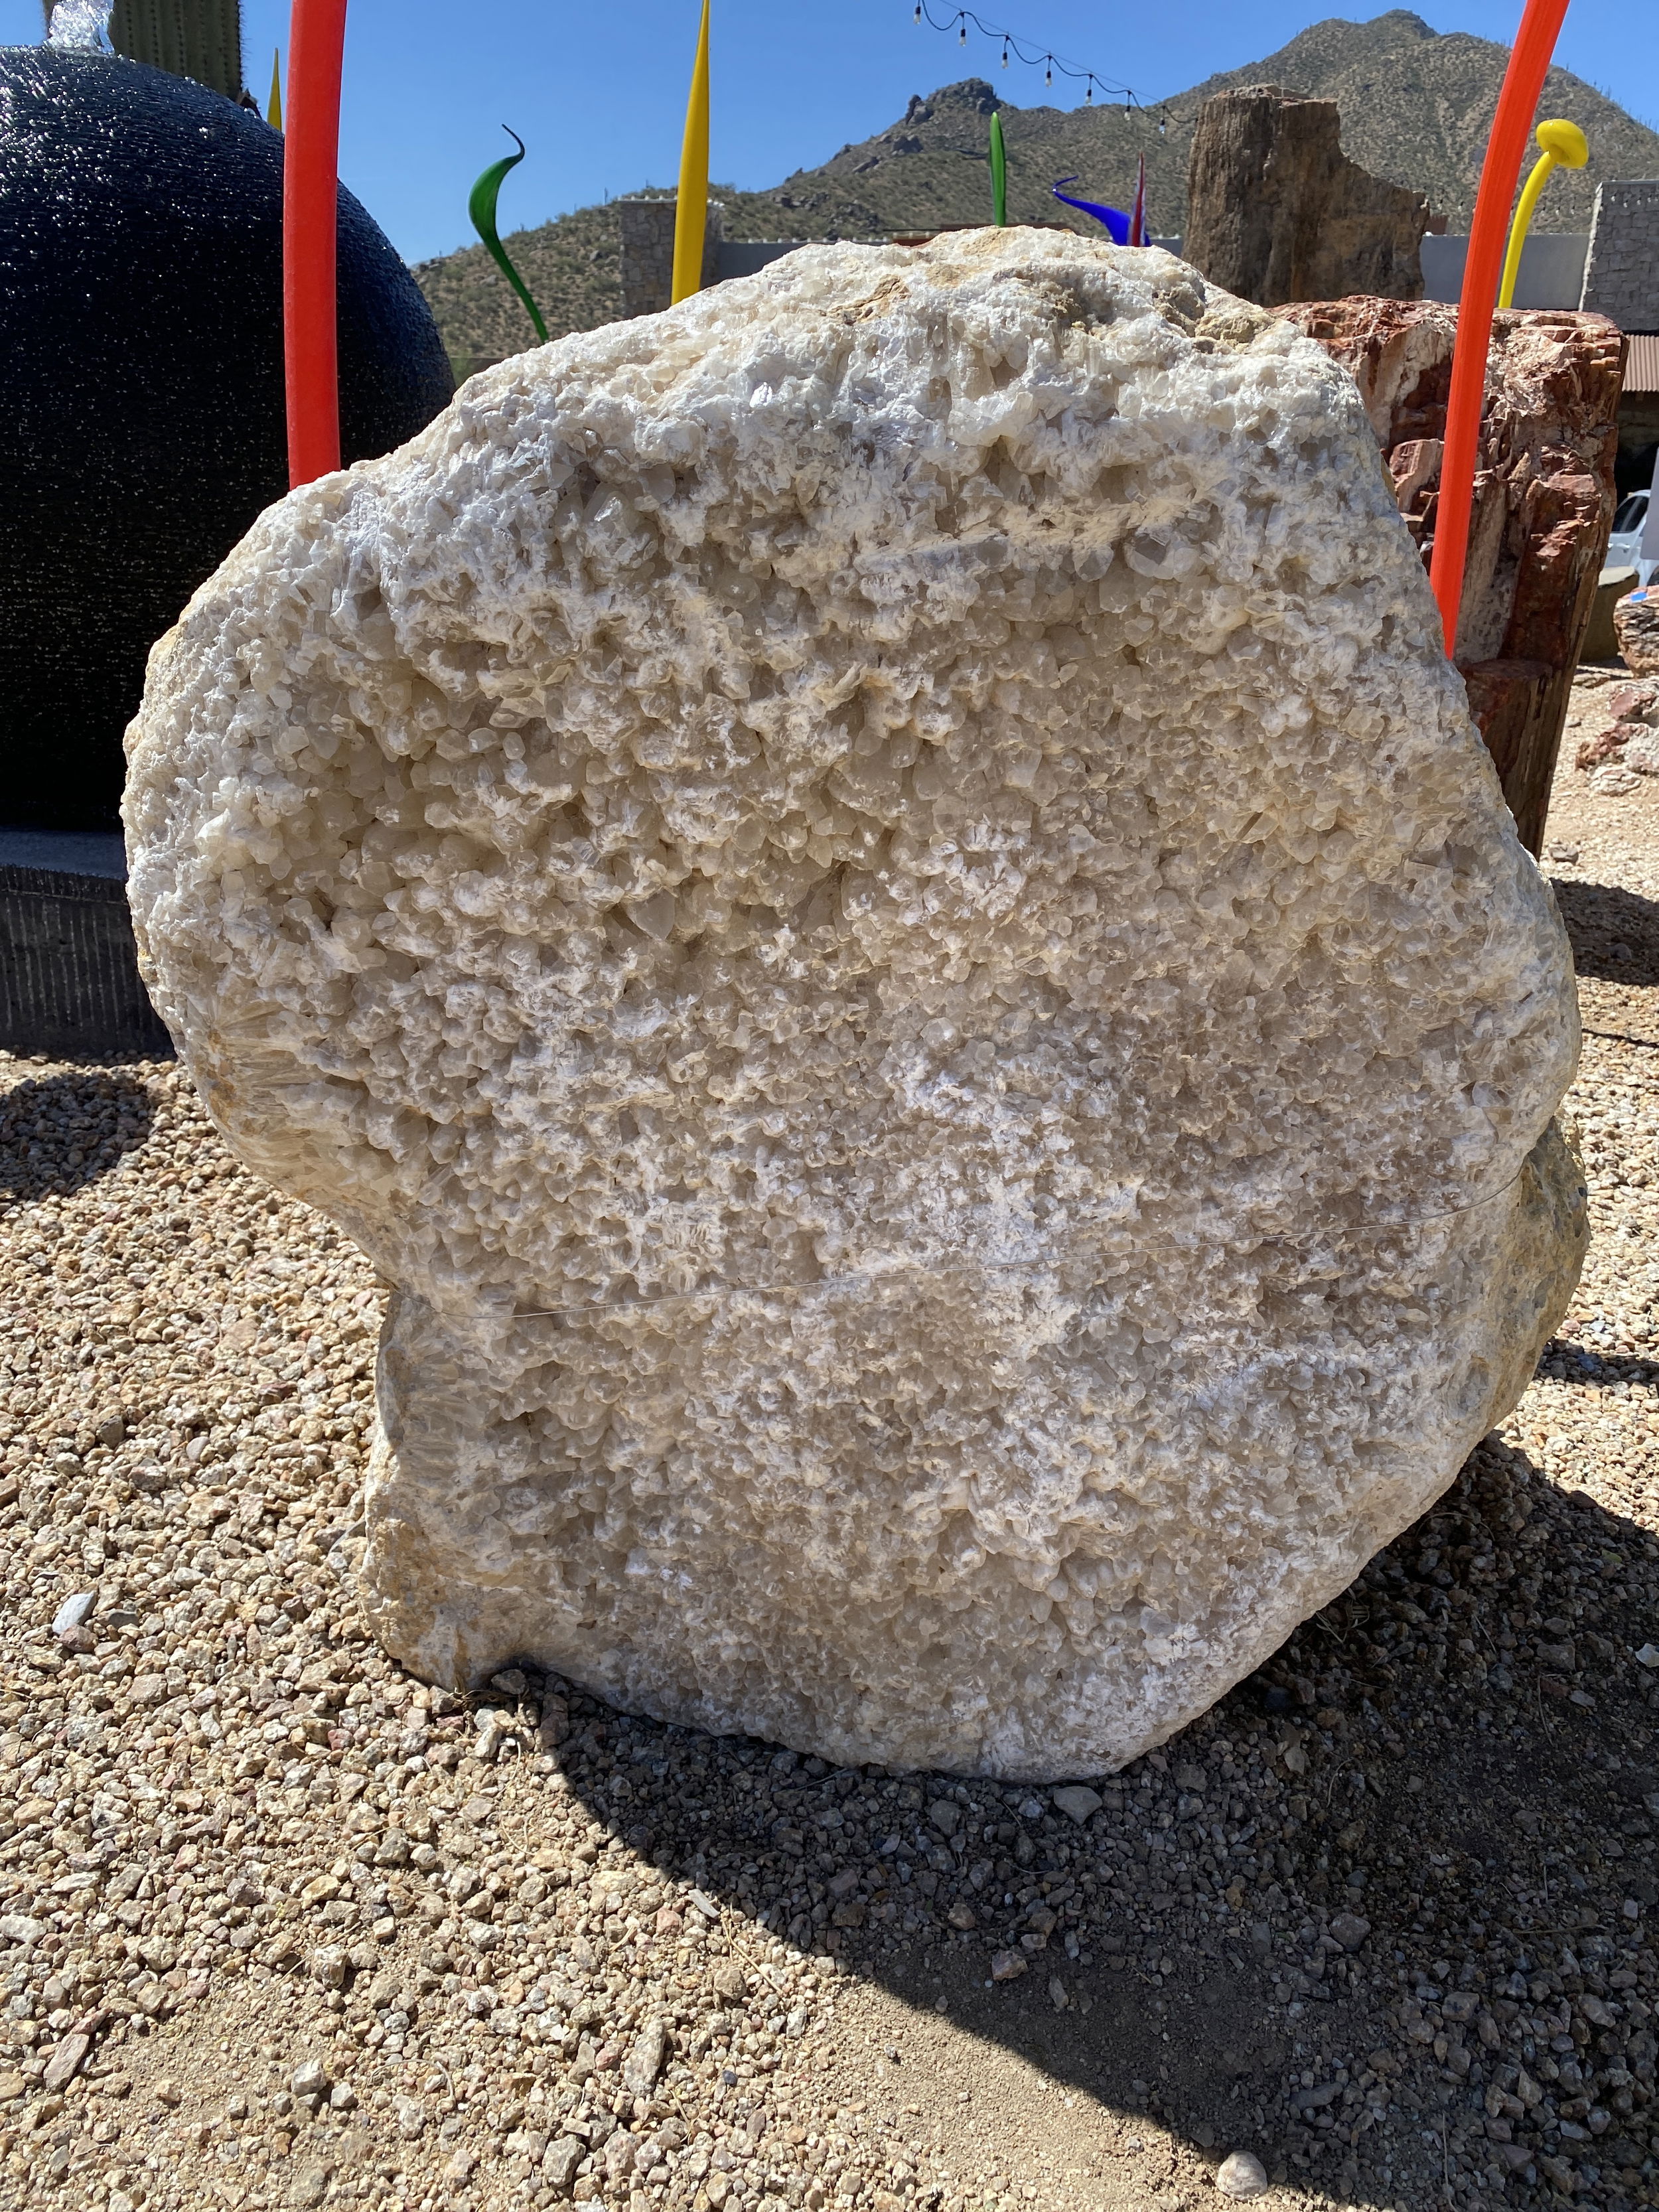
x,y
141,412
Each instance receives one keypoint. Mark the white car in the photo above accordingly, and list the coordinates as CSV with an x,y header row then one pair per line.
x,y
1623,546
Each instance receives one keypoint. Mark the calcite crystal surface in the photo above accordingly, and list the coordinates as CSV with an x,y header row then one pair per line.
x,y
875,899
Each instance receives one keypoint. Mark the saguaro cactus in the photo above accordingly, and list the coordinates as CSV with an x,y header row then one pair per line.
x,y
196,39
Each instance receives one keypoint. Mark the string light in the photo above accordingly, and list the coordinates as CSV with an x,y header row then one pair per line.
x,y
961,18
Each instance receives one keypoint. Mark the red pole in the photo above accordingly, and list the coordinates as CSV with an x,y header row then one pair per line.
x,y
1517,104
310,156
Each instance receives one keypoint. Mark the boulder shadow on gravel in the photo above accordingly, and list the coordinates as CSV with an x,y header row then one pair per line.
x,y
1614,932
1383,1916
1565,1361
61,1132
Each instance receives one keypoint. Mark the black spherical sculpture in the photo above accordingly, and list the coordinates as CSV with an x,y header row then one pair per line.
x,y
142,410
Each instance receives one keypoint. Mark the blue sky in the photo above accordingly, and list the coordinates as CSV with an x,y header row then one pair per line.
x,y
597,91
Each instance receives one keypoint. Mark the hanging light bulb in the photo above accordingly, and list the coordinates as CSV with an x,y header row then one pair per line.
x,y
1163,126
918,16
1005,53
962,35
1048,73
1089,94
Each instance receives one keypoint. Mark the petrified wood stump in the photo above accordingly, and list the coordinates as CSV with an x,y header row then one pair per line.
x,y
1543,500
1278,212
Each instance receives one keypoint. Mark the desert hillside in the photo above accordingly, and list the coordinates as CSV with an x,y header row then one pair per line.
x,y
1416,107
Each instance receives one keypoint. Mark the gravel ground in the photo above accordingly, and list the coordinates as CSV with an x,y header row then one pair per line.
x,y
280,1925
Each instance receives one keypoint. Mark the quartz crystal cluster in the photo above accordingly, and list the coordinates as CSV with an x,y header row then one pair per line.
x,y
874,896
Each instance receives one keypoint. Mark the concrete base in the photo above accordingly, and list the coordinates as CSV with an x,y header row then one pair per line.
x,y
68,970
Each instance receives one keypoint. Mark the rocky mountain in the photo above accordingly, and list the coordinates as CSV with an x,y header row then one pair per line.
x,y
1416,106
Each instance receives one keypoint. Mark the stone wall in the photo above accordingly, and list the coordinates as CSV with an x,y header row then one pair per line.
x,y
1277,212
1543,502
1621,276
647,253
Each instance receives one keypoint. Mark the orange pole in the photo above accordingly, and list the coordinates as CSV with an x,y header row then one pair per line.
x,y
311,157
1518,103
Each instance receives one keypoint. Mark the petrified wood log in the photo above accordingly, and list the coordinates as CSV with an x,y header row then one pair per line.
x,y
1278,212
1544,501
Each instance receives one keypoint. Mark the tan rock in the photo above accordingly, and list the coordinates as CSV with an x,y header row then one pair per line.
x,y
1636,626
874,896
66,2061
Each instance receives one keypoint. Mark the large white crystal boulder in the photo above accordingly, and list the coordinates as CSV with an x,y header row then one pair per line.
x,y
876,899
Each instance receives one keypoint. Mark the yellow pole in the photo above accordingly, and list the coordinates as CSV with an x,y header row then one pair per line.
x,y
274,112
1563,142
691,209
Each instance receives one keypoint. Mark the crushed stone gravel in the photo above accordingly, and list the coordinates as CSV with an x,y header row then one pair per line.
x,y
281,1925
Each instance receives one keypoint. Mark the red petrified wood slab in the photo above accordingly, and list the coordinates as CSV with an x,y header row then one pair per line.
x,y
1543,500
